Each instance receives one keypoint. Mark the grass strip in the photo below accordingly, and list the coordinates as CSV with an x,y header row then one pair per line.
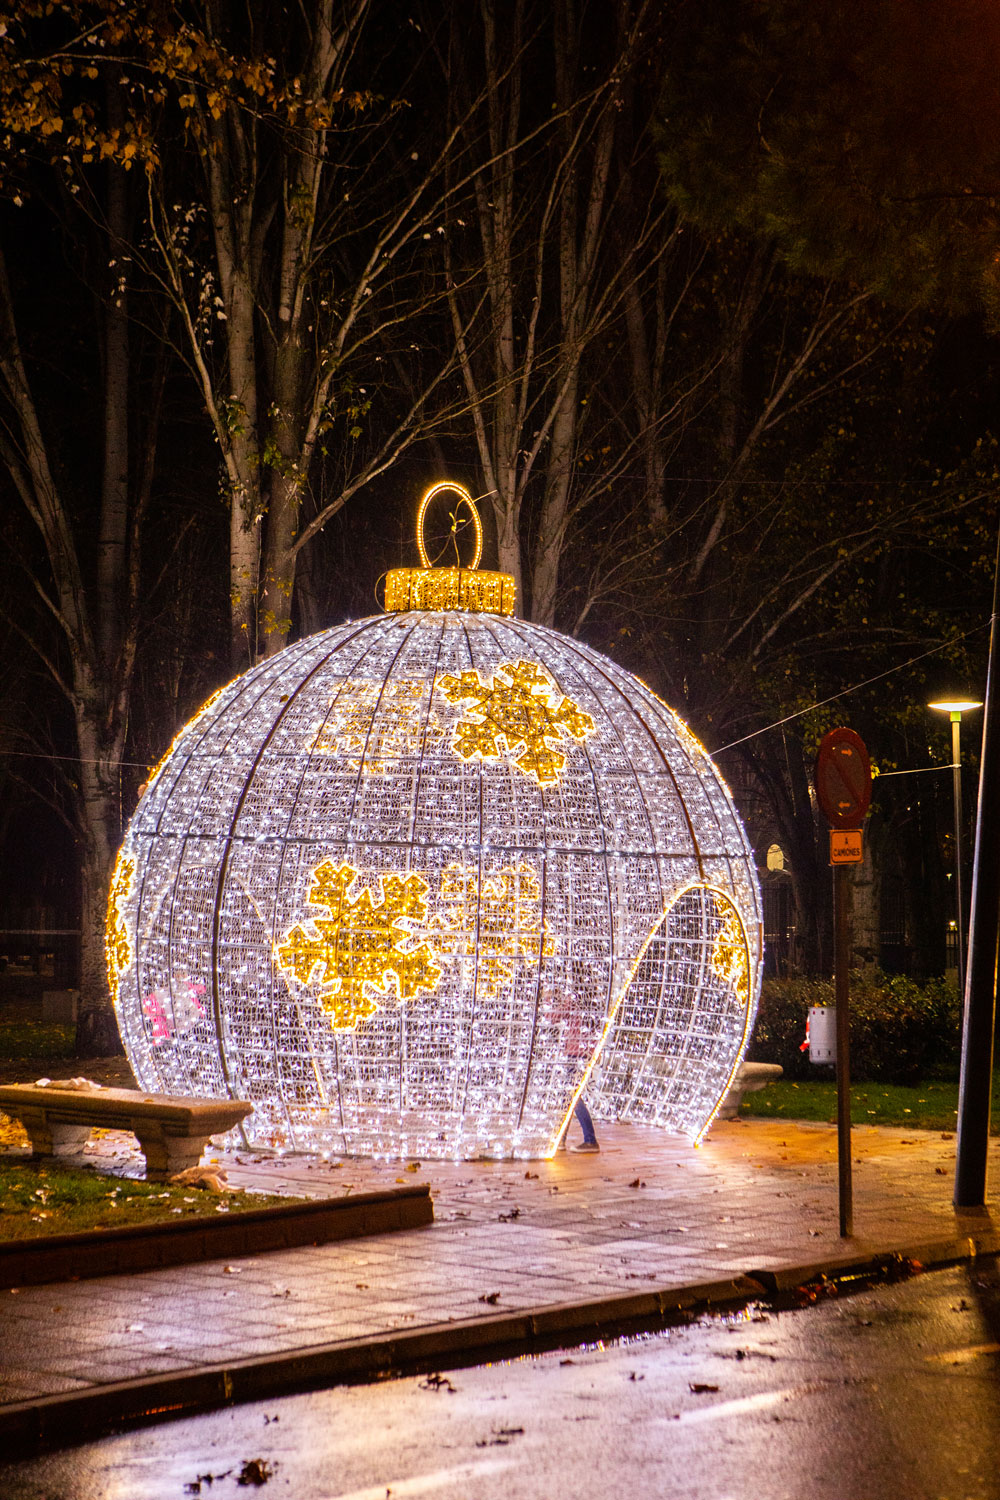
x,y
24,1039
928,1106
47,1199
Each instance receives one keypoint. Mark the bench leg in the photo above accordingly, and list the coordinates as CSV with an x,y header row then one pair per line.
x,y
730,1106
68,1138
167,1154
51,1139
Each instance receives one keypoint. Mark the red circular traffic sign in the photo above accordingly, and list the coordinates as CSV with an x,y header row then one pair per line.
x,y
843,778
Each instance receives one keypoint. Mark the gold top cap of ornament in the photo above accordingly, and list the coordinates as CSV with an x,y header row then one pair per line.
x,y
461,587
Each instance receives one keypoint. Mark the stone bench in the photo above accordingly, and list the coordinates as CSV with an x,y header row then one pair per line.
x,y
172,1132
750,1076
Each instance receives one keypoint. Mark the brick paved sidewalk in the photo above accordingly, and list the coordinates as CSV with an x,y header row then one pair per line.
x,y
648,1212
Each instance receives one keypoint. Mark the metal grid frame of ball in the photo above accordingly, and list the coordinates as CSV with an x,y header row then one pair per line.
x,y
411,884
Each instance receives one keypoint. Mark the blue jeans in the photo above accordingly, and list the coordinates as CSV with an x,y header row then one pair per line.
x,y
586,1123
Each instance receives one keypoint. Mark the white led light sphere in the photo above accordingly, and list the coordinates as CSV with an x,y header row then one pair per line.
x,y
410,884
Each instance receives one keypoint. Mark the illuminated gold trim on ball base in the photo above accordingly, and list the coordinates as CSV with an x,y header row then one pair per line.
x,y
450,588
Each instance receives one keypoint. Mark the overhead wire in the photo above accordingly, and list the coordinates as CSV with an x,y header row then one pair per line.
x,y
754,734
844,692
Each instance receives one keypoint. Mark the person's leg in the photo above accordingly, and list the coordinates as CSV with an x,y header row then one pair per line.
x,y
589,1142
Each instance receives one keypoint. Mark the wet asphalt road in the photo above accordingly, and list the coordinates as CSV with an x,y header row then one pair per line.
x,y
893,1391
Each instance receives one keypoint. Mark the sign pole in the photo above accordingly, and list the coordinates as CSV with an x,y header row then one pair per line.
x,y
844,789
841,965
979,1015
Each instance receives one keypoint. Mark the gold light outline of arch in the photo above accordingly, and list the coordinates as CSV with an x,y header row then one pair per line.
x,y
693,885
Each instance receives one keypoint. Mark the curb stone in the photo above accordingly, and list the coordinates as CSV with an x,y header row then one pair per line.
x,y
66,1418
252,1231
62,1420
937,1253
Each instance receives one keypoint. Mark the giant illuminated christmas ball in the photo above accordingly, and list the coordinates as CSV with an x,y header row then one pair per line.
x,y
411,884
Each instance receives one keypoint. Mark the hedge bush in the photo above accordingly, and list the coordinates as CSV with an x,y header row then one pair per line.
x,y
901,1031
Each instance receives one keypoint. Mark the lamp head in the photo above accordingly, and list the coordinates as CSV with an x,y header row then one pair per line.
x,y
956,707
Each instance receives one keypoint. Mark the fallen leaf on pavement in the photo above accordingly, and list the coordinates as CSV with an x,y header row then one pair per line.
x,y
500,1438
255,1471
194,1488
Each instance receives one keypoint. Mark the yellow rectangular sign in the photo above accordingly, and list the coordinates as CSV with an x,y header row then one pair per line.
x,y
846,846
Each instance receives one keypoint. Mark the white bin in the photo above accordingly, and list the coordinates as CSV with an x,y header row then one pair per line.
x,y
822,1033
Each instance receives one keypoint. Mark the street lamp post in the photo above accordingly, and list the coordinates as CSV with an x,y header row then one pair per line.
x,y
956,707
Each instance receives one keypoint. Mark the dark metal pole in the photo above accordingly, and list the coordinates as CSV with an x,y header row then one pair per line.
x,y
956,787
841,961
984,929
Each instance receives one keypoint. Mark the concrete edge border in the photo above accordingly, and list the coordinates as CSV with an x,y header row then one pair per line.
x,y
252,1231
68,1418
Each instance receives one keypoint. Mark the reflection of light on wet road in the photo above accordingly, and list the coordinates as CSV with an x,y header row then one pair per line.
x,y
889,1392
962,1356
426,1484
745,1404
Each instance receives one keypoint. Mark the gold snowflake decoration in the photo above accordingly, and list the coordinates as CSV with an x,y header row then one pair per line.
x,y
730,960
508,911
117,948
517,713
359,953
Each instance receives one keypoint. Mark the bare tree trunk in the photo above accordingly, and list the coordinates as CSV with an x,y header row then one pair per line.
x,y
543,214
492,384
646,393
98,624
100,822
581,230
709,570
284,496
308,235
113,536
555,506
238,419
780,768
507,514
